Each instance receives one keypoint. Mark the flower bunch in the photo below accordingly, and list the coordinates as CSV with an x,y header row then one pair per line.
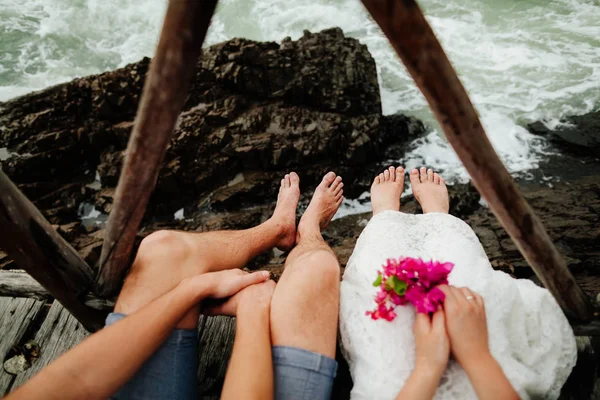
x,y
409,280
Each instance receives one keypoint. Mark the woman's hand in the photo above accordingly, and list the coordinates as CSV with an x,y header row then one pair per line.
x,y
222,284
432,344
466,324
257,297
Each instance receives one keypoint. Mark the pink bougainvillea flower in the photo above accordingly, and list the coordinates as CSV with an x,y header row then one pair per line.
x,y
409,281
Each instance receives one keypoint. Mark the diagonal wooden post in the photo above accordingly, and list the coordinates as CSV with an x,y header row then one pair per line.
x,y
165,91
411,36
29,239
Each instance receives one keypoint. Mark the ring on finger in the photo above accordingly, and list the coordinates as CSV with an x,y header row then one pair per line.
x,y
469,297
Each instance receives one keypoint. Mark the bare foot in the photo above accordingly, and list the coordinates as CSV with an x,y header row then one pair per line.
x,y
323,206
430,191
285,211
387,189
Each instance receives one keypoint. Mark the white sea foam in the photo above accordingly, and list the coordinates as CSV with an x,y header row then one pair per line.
x,y
520,61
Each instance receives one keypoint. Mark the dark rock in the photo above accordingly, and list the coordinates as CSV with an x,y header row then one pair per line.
x,y
578,134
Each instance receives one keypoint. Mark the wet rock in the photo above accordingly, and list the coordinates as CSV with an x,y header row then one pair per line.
x,y
578,134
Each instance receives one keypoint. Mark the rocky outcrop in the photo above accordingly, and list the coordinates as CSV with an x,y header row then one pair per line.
x,y
579,134
255,111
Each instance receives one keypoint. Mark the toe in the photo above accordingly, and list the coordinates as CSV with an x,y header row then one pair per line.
x,y
338,189
392,173
400,175
329,178
386,174
423,174
381,178
436,178
430,175
286,181
376,180
414,177
294,179
336,183
282,183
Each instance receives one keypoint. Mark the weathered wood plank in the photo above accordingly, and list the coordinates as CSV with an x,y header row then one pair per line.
x,y
35,246
59,332
18,283
215,344
413,39
165,91
16,315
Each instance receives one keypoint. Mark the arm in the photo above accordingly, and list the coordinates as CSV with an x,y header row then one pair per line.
x,y
467,330
432,352
102,363
251,355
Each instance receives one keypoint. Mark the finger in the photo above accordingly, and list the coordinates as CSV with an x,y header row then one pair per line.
x,y
438,322
470,296
463,294
449,292
239,282
422,324
479,300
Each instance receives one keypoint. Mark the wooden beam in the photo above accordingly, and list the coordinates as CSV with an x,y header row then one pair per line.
x,y
29,239
165,91
18,283
411,36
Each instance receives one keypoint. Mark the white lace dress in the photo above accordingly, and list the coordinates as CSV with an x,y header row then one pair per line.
x,y
528,333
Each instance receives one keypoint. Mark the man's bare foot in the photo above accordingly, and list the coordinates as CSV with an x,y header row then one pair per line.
x,y
285,211
387,189
323,206
430,191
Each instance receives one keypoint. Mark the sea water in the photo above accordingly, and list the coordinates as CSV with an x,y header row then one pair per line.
x,y
520,60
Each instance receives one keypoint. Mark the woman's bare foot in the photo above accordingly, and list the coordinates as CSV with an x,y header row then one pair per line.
x,y
430,191
323,206
387,189
285,211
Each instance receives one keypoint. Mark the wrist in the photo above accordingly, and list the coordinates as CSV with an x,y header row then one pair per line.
x,y
480,362
428,370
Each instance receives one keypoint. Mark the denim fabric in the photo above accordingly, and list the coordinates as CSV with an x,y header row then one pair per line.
x,y
301,374
170,373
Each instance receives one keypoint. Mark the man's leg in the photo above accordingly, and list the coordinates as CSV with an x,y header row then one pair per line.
x,y
305,304
165,258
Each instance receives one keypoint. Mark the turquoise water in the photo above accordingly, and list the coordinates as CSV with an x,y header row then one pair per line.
x,y
520,60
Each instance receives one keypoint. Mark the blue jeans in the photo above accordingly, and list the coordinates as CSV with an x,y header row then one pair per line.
x,y
170,373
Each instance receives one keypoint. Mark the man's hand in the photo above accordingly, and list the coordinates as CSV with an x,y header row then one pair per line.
x,y
256,296
432,345
466,324
222,284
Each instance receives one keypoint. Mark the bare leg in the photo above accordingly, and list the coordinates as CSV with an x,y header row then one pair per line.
x,y
305,304
167,257
430,191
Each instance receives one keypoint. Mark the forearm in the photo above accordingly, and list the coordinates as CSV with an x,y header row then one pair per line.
x,y
421,385
489,380
105,361
250,371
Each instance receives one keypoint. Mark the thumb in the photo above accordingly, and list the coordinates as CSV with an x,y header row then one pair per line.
x,y
236,283
422,324
438,321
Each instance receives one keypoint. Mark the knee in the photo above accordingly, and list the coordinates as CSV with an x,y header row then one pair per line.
x,y
162,246
322,265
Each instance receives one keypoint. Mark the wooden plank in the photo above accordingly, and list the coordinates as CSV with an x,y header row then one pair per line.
x,y
16,315
35,246
413,39
165,91
18,283
215,344
59,332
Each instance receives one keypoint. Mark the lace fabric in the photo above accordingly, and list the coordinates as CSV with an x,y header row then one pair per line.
x,y
529,335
